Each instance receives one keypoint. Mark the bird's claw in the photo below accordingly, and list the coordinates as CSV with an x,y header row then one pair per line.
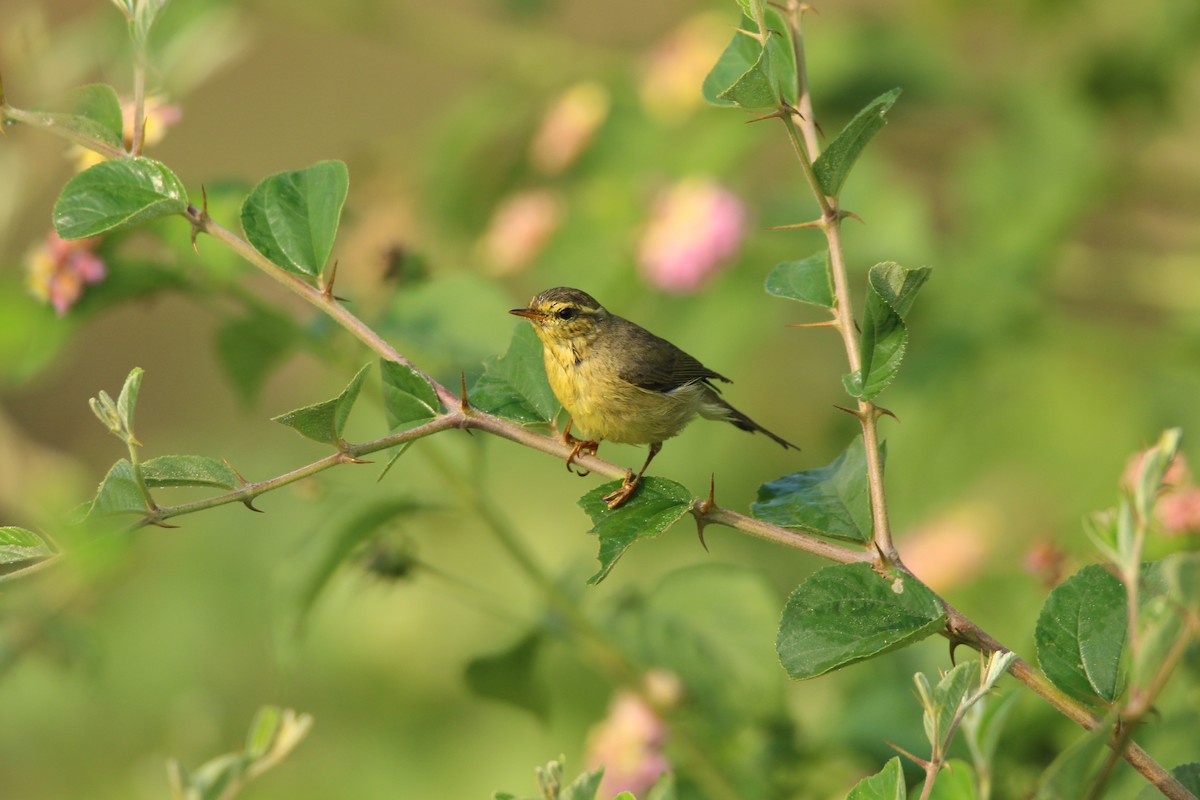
x,y
579,446
622,492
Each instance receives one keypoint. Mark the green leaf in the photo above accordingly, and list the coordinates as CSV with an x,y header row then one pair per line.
x,y
514,386
806,280
892,289
749,75
407,395
262,732
172,471
127,399
21,548
947,697
1153,469
1187,774
93,111
118,493
887,784
144,15
273,735
250,347
739,58
656,505
324,422
1081,636
836,162
584,787
1073,772
983,726
831,501
510,676
848,613
1181,579
117,194
292,217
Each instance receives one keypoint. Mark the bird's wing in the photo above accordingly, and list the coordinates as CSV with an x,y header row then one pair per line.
x,y
661,366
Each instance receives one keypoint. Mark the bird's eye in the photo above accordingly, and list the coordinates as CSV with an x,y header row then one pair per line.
x,y
567,313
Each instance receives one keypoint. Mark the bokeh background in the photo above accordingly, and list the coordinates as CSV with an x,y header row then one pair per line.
x,y
1042,160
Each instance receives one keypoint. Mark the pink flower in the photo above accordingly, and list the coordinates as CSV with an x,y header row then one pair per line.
x,y
57,271
519,229
628,744
1179,511
695,226
1178,506
673,71
1177,473
568,127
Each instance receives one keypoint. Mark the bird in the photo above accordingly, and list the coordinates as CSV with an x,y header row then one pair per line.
x,y
621,383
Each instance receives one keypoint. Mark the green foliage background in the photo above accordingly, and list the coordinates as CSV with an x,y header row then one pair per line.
x,y
1042,160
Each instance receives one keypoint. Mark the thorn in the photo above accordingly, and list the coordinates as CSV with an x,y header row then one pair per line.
x,y
249,503
820,130
201,219
842,214
919,761
854,412
791,109
158,523
773,115
755,36
806,7
236,474
795,226
880,411
829,323
464,405
346,458
327,289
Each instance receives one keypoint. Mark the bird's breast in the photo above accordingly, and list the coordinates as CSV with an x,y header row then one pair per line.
x,y
604,406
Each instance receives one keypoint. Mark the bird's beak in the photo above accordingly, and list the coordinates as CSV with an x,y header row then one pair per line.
x,y
528,313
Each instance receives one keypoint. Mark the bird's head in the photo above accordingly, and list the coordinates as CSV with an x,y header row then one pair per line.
x,y
562,315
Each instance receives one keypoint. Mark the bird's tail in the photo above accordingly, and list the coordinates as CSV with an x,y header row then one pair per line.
x,y
717,408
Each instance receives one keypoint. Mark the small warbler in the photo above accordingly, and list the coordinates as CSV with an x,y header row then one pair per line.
x,y
620,382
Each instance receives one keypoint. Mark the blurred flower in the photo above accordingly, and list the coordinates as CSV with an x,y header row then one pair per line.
x,y
519,229
160,116
694,226
952,549
1177,473
568,126
628,743
1045,561
677,66
1178,507
57,271
1179,512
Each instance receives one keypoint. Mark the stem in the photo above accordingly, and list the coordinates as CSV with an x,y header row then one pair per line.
x,y
135,464
966,631
49,124
137,135
807,151
313,296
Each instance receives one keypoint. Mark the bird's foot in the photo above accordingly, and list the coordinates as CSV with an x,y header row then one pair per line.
x,y
579,446
622,492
